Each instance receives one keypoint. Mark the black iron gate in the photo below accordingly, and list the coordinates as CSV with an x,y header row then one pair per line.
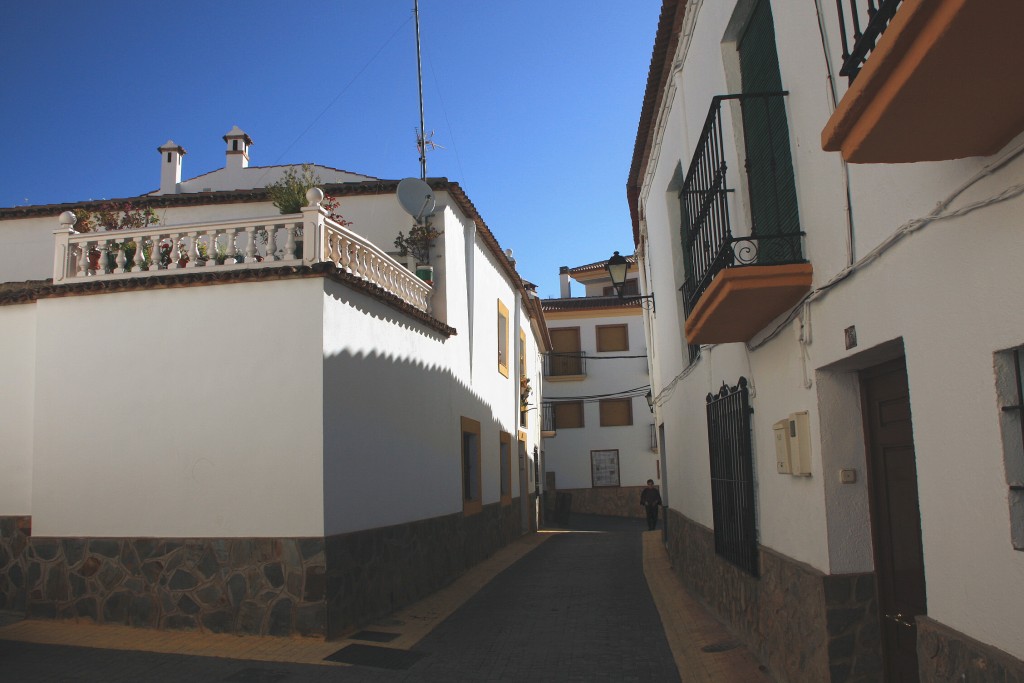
x,y
732,476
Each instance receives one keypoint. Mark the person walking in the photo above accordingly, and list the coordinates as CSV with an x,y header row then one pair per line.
x,y
650,499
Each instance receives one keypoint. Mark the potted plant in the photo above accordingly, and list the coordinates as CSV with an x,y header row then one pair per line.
x,y
289,196
111,217
417,243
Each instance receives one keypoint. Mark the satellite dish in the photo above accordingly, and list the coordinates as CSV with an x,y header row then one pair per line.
x,y
416,198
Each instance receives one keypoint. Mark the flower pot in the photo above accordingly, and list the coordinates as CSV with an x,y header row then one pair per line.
x,y
425,273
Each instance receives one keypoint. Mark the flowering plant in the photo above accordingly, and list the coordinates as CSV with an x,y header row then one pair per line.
x,y
524,391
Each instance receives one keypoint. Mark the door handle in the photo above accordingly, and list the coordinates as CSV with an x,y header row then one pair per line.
x,y
899,619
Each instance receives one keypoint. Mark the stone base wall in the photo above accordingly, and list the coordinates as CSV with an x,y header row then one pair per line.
x,y
372,573
805,625
612,501
947,655
15,533
266,586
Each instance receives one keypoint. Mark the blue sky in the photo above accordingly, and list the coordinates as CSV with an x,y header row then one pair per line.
x,y
535,102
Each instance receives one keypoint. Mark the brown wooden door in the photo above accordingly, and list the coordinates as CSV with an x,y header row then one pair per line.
x,y
895,515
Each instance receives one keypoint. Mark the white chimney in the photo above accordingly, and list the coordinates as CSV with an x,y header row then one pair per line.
x,y
238,148
170,166
563,277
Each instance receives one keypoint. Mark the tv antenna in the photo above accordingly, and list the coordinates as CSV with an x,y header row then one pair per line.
x,y
421,139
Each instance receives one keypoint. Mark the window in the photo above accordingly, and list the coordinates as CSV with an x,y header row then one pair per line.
x,y
604,468
616,412
471,501
628,287
612,338
565,359
732,476
1009,367
502,339
568,414
505,467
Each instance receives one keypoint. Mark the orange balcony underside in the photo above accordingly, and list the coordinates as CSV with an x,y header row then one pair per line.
x,y
944,82
741,301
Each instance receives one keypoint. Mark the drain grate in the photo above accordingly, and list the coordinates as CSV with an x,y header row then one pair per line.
x,y
377,657
257,676
721,646
374,636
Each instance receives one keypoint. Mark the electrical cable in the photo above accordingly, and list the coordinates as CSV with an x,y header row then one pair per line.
x,y
340,93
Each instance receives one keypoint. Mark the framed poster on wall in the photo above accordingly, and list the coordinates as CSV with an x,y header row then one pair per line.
x,y
604,468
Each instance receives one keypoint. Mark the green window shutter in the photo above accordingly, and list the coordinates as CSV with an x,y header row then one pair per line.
x,y
769,163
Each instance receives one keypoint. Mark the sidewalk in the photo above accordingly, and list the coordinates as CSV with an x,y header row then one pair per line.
x,y
688,629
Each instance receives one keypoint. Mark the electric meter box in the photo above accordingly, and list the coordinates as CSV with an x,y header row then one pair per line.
x,y
793,445
781,429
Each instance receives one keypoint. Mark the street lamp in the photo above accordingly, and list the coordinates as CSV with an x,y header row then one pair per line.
x,y
650,400
617,267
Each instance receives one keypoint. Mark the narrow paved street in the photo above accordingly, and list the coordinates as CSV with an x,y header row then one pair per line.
x,y
576,607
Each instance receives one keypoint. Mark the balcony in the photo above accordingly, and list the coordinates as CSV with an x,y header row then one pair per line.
x,y
565,365
301,239
736,284
929,80
547,424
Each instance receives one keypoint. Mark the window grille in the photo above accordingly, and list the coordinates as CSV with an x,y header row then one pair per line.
x,y
732,476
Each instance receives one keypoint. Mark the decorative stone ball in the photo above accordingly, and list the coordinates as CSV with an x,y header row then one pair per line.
x,y
314,196
68,218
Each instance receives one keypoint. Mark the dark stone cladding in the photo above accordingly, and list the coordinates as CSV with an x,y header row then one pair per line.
x,y
264,586
947,655
372,573
611,501
803,624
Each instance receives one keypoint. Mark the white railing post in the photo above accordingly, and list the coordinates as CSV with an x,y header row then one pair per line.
x,y
140,258
62,246
313,247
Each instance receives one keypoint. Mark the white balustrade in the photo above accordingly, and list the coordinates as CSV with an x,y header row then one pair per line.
x,y
83,257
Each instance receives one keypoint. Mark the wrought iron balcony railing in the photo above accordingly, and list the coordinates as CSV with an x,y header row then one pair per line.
x,y
859,42
547,416
565,363
709,245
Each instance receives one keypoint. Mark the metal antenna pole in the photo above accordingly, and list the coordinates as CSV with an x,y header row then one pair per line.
x,y
422,141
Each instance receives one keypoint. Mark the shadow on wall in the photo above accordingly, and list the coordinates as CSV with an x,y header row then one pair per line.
x,y
393,453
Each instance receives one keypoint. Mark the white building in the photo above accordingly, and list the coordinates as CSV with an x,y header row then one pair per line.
x,y
838,335
600,446
258,443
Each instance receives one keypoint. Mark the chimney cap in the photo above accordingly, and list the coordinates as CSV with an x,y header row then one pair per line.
x,y
171,146
237,133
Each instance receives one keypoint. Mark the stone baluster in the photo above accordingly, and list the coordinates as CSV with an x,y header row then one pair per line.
x,y
271,245
289,245
229,251
212,249
83,259
120,260
250,244
175,253
140,258
193,249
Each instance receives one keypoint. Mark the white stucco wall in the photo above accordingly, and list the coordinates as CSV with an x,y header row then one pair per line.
x,y
181,412
568,452
17,368
948,294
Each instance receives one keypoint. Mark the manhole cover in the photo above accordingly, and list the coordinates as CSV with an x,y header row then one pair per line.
x,y
723,646
378,657
374,636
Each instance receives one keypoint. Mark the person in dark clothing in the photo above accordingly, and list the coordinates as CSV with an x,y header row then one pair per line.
x,y
650,499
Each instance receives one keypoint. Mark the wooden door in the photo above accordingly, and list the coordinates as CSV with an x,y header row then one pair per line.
x,y
895,515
